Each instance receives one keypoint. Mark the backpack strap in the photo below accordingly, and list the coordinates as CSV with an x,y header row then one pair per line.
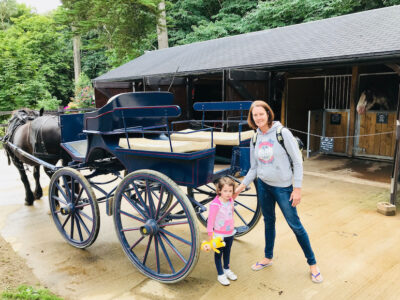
x,y
280,140
254,139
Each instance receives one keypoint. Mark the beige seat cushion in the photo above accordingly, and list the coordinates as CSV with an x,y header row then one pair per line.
x,y
219,138
163,145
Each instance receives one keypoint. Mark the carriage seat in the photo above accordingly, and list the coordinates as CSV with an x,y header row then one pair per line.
x,y
163,145
77,149
219,138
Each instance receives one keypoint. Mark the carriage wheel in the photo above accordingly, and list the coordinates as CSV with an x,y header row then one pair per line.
x,y
162,244
246,206
74,207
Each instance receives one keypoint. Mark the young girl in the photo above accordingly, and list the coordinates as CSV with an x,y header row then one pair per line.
x,y
220,223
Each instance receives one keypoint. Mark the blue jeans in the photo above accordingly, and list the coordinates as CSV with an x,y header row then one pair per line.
x,y
225,252
268,196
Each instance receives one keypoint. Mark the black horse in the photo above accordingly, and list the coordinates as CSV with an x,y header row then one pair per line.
x,y
37,135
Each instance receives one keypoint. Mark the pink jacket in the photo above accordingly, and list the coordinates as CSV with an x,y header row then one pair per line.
x,y
220,218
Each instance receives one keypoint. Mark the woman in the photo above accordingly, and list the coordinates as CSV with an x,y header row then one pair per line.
x,y
278,180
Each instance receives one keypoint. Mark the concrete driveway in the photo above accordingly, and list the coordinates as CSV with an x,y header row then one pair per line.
x,y
357,248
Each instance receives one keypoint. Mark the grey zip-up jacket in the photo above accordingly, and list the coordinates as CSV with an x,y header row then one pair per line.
x,y
269,160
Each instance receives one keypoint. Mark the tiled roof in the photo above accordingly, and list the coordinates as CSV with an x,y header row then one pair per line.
x,y
373,34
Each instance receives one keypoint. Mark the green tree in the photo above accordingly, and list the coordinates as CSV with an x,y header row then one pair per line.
x,y
271,14
10,9
35,60
120,25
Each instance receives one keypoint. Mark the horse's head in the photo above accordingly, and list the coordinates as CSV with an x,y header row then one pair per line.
x,y
365,102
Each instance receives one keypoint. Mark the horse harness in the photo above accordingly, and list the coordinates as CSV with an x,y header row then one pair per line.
x,y
37,139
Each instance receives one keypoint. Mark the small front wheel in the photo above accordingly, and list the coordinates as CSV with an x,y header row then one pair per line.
x,y
155,223
74,208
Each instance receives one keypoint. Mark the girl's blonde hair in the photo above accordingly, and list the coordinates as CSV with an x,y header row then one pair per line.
x,y
224,181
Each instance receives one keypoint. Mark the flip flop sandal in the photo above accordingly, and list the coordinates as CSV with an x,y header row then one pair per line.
x,y
314,277
258,266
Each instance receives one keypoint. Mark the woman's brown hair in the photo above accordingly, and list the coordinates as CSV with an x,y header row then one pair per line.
x,y
267,108
224,181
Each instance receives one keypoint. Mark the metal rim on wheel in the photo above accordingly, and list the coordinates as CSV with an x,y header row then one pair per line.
x,y
246,207
74,207
156,225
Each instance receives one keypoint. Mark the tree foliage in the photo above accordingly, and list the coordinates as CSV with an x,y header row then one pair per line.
x,y
120,25
199,20
36,63
10,9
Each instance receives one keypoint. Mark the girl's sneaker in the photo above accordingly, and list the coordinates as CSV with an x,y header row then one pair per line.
x,y
230,274
223,280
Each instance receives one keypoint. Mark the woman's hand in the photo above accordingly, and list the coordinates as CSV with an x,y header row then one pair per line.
x,y
295,197
238,190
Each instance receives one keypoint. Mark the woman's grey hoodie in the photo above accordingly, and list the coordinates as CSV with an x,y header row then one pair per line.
x,y
269,160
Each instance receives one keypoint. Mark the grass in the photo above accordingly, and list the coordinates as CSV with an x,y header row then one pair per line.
x,y
29,293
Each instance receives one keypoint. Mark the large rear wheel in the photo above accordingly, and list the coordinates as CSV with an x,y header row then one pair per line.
x,y
155,223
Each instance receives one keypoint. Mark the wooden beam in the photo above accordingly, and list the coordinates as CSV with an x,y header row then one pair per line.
x,y
394,67
396,166
244,75
283,102
353,97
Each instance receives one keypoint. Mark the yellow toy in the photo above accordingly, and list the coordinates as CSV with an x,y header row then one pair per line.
x,y
214,244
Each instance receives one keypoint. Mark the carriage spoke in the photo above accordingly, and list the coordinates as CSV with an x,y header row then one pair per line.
x,y
79,228
65,222
72,190
137,242
72,227
130,229
147,250
241,218
176,237
85,215
83,223
134,206
168,211
139,196
79,196
59,200
82,205
169,243
152,207
252,210
174,223
157,253
132,216
66,187
159,202
166,254
61,191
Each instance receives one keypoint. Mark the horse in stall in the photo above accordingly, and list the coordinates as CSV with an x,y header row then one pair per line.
x,y
371,98
37,135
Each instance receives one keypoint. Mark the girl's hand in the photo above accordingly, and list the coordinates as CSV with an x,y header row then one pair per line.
x,y
295,197
238,190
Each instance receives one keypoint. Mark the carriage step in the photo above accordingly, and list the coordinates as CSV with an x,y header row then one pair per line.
x,y
385,208
241,229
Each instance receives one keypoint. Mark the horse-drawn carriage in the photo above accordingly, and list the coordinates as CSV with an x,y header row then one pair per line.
x,y
132,138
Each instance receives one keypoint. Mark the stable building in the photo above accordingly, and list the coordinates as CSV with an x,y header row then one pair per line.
x,y
312,74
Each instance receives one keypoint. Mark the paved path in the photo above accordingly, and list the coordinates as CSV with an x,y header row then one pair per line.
x,y
356,248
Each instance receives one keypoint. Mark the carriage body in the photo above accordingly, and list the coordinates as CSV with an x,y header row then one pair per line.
x,y
116,129
167,183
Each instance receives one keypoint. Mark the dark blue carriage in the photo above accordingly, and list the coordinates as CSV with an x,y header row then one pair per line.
x,y
154,219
